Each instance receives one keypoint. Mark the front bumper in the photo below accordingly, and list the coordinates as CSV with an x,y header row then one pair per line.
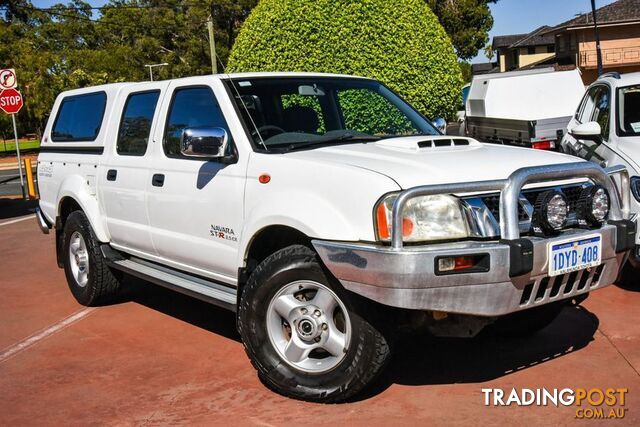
x,y
517,277
407,278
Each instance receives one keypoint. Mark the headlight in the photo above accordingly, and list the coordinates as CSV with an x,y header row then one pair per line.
x,y
424,219
550,212
593,206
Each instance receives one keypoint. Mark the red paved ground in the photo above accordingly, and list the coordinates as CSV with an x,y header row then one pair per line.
x,y
162,358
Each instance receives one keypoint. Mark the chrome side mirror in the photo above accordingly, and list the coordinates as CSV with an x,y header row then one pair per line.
x,y
204,142
440,124
589,131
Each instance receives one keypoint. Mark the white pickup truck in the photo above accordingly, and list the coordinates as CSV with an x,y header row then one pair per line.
x,y
326,211
606,130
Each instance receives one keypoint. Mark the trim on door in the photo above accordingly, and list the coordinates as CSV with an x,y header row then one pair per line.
x,y
73,150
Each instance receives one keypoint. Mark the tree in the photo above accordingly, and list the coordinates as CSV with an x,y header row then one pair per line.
x,y
69,46
467,22
397,42
72,45
489,53
465,69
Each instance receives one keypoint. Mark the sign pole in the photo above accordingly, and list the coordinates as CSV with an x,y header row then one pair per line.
x,y
15,134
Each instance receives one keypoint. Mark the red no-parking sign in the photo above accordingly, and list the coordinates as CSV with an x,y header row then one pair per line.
x,y
11,101
8,79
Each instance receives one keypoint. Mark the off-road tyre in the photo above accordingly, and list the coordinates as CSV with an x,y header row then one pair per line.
x,y
364,359
103,284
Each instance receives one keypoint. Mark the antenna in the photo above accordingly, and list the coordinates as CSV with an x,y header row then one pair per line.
x,y
235,88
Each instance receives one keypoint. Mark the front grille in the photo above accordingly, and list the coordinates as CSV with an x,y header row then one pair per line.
x,y
549,289
493,204
573,196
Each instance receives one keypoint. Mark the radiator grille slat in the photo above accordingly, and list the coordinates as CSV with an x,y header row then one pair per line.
x,y
548,289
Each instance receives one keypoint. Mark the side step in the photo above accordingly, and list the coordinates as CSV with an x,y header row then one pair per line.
x,y
197,287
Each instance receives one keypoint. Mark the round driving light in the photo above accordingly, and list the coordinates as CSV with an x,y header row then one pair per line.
x,y
550,212
593,206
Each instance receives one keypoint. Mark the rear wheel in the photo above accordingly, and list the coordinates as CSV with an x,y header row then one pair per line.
x,y
90,280
304,333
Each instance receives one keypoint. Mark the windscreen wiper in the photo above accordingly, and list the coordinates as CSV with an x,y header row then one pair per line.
x,y
347,137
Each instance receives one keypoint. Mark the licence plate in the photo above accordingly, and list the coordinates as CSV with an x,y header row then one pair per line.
x,y
573,255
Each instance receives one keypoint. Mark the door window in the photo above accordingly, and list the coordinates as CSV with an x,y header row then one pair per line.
x,y
602,110
588,104
135,125
191,107
629,111
79,118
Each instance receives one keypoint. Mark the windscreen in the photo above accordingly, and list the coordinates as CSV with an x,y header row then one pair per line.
x,y
311,112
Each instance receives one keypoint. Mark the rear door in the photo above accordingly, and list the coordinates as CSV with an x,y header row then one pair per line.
x,y
124,175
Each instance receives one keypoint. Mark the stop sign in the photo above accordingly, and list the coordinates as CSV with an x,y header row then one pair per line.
x,y
10,101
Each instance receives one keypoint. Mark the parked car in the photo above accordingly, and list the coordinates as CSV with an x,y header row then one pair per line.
x,y
324,210
605,129
524,108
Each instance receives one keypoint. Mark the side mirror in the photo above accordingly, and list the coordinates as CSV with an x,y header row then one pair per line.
x,y
204,142
440,124
589,131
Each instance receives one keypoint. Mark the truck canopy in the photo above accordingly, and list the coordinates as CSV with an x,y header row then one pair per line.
x,y
525,95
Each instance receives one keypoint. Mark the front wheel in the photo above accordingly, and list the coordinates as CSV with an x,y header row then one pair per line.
x,y
304,334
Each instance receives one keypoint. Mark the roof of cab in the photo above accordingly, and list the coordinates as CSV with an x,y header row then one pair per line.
x,y
114,87
622,79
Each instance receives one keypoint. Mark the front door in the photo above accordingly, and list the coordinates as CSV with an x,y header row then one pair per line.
x,y
595,107
195,206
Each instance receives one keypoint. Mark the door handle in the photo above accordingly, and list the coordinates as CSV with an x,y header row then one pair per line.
x,y
157,180
112,174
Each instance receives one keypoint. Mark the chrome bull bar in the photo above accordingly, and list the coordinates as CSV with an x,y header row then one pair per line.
x,y
511,187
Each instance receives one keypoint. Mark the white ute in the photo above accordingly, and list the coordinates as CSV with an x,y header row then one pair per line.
x,y
325,211
606,130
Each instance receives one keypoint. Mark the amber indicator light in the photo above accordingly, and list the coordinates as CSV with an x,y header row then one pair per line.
x,y
264,178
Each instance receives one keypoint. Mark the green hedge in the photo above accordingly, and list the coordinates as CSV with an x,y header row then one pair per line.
x,y
398,42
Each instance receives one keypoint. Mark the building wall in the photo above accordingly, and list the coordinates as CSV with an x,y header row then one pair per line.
x,y
508,62
501,62
539,55
620,46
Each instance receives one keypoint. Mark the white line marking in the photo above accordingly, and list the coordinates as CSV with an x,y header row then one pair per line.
x,y
33,339
13,221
